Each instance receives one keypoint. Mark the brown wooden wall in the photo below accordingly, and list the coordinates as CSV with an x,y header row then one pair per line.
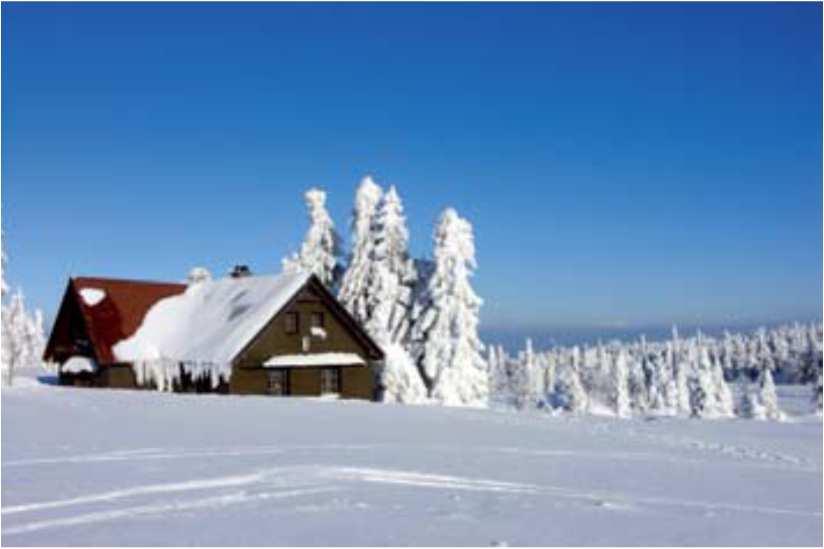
x,y
249,378
119,376
115,376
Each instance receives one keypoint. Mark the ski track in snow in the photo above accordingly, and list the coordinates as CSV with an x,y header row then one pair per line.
x,y
748,456
304,480
160,508
175,453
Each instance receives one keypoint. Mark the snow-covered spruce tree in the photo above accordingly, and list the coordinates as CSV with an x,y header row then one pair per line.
x,y
767,396
749,405
498,379
652,372
524,379
14,338
360,270
620,389
23,340
550,376
681,369
570,391
818,397
444,338
637,386
320,251
390,290
704,371
504,377
724,401
763,355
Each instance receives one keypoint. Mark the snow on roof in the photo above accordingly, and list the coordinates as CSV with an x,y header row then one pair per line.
x,y
92,296
78,364
317,359
211,321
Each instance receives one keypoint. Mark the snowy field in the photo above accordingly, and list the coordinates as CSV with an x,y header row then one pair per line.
x,y
107,467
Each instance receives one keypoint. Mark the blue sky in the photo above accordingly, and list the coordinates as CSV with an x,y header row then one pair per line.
x,y
623,164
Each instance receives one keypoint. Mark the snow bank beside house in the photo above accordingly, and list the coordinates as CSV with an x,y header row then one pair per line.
x,y
211,321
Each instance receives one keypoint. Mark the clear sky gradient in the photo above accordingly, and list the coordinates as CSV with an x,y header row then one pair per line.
x,y
622,164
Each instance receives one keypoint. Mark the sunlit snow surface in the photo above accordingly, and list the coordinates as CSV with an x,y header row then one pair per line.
x,y
107,467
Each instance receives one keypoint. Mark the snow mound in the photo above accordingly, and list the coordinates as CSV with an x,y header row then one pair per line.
x,y
211,321
319,359
78,364
92,296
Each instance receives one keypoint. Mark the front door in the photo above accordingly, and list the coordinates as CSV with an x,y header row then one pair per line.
x,y
277,382
329,380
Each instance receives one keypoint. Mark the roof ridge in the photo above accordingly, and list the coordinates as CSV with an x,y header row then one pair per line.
x,y
127,280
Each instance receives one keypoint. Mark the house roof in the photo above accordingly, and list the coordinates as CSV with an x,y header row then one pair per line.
x,y
113,309
211,321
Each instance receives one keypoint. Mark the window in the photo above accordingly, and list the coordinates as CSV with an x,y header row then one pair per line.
x,y
329,381
291,323
317,320
276,382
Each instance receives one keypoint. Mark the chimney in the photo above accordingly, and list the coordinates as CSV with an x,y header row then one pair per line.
x,y
240,271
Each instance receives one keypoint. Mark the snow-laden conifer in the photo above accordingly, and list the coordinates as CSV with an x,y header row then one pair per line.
x,y
390,290
768,397
445,334
749,405
524,378
703,398
550,376
570,391
23,340
354,288
320,250
620,389
636,386
681,369
724,401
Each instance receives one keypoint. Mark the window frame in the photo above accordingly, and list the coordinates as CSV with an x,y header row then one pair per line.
x,y
317,315
294,317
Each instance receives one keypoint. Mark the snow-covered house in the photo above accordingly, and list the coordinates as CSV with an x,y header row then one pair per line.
x,y
279,335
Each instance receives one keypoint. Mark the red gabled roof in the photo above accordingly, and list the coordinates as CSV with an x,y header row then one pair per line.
x,y
120,313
